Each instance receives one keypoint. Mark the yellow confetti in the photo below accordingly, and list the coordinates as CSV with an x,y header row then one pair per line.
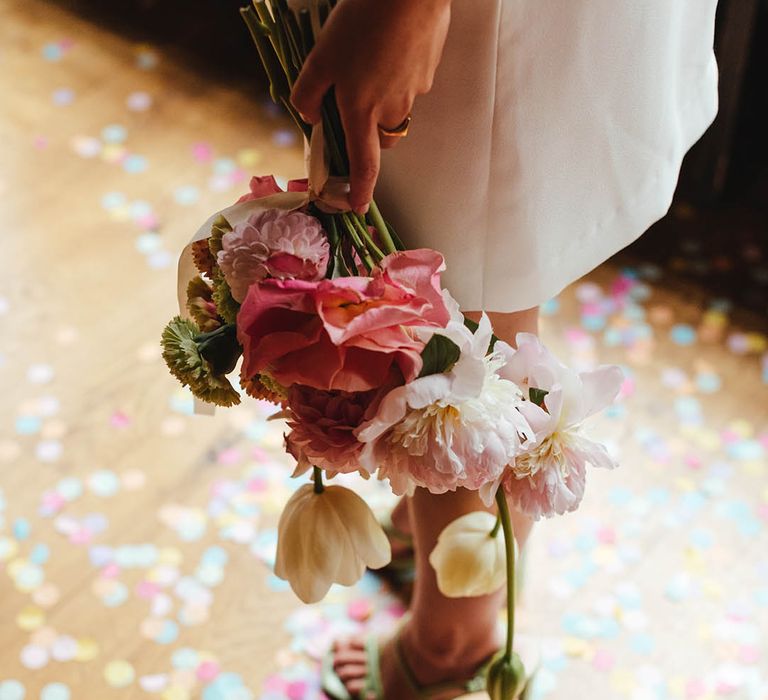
x,y
170,555
249,157
757,342
119,673
576,647
175,693
677,686
30,618
8,549
87,649
622,680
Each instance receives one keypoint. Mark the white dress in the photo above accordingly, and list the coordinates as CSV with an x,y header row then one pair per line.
x,y
552,138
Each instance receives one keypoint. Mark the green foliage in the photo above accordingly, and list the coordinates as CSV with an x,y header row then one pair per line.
x,y
537,396
440,354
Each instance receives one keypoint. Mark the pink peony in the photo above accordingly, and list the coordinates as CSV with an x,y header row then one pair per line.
x,y
322,427
346,333
273,243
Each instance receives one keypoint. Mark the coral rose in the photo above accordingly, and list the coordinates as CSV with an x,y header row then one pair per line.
x,y
347,333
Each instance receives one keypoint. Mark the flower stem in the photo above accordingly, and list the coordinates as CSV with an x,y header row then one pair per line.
x,y
381,226
509,543
496,527
317,477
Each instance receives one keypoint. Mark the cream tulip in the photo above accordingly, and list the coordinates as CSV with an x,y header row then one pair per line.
x,y
468,559
325,538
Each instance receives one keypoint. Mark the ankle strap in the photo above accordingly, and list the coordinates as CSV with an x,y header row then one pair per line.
x,y
472,685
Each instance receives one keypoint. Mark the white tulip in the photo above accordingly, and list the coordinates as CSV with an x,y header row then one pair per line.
x,y
467,559
325,538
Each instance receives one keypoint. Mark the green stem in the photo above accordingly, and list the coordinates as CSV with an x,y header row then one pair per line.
x,y
362,251
381,226
362,229
509,544
496,527
317,477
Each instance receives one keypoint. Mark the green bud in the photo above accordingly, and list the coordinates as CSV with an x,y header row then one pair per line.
x,y
506,677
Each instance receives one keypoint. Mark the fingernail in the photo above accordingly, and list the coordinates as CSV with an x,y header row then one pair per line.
x,y
363,210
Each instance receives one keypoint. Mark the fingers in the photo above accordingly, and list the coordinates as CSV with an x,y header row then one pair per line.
x,y
394,114
389,141
364,152
309,89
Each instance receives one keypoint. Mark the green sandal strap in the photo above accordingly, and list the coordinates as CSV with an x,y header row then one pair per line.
x,y
471,685
373,685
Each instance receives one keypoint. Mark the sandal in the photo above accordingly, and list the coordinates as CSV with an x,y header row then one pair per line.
x,y
335,689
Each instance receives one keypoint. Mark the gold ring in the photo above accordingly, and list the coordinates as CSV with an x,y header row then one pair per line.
x,y
400,130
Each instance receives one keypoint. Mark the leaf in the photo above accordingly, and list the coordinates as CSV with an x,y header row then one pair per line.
x,y
220,348
473,326
537,395
439,355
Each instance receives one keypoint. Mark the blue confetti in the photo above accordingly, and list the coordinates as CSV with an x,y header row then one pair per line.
x,y
135,164
683,334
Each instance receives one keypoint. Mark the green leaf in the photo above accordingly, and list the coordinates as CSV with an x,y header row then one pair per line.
x,y
220,348
537,396
439,355
473,326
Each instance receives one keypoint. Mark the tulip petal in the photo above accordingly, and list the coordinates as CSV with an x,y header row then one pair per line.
x,y
367,537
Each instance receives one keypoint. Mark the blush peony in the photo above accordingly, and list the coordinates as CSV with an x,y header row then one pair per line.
x,y
273,243
322,428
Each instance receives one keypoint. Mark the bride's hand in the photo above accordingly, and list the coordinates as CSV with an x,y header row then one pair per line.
x,y
378,55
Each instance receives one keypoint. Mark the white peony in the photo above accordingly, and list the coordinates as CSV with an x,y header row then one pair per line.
x,y
273,243
325,538
467,559
549,475
443,431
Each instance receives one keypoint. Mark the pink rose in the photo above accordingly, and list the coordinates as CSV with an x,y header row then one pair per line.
x,y
322,427
346,333
266,185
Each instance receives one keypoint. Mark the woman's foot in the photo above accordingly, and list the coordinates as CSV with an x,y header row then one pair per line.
x,y
429,665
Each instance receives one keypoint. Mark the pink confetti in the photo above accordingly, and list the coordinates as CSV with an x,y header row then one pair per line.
x,y
606,535
147,589
207,670
110,571
202,152
119,420
359,610
603,660
229,456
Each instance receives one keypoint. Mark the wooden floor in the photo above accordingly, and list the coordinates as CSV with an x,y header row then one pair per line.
x,y
135,539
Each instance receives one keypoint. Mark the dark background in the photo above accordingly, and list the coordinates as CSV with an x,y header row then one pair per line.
x,y
716,233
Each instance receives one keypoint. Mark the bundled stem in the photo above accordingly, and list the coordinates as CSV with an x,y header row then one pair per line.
x,y
283,42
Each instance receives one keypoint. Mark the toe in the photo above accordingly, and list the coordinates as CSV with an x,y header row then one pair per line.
x,y
349,657
351,673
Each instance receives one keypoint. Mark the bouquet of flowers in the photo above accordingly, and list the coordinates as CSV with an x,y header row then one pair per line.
x,y
375,368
